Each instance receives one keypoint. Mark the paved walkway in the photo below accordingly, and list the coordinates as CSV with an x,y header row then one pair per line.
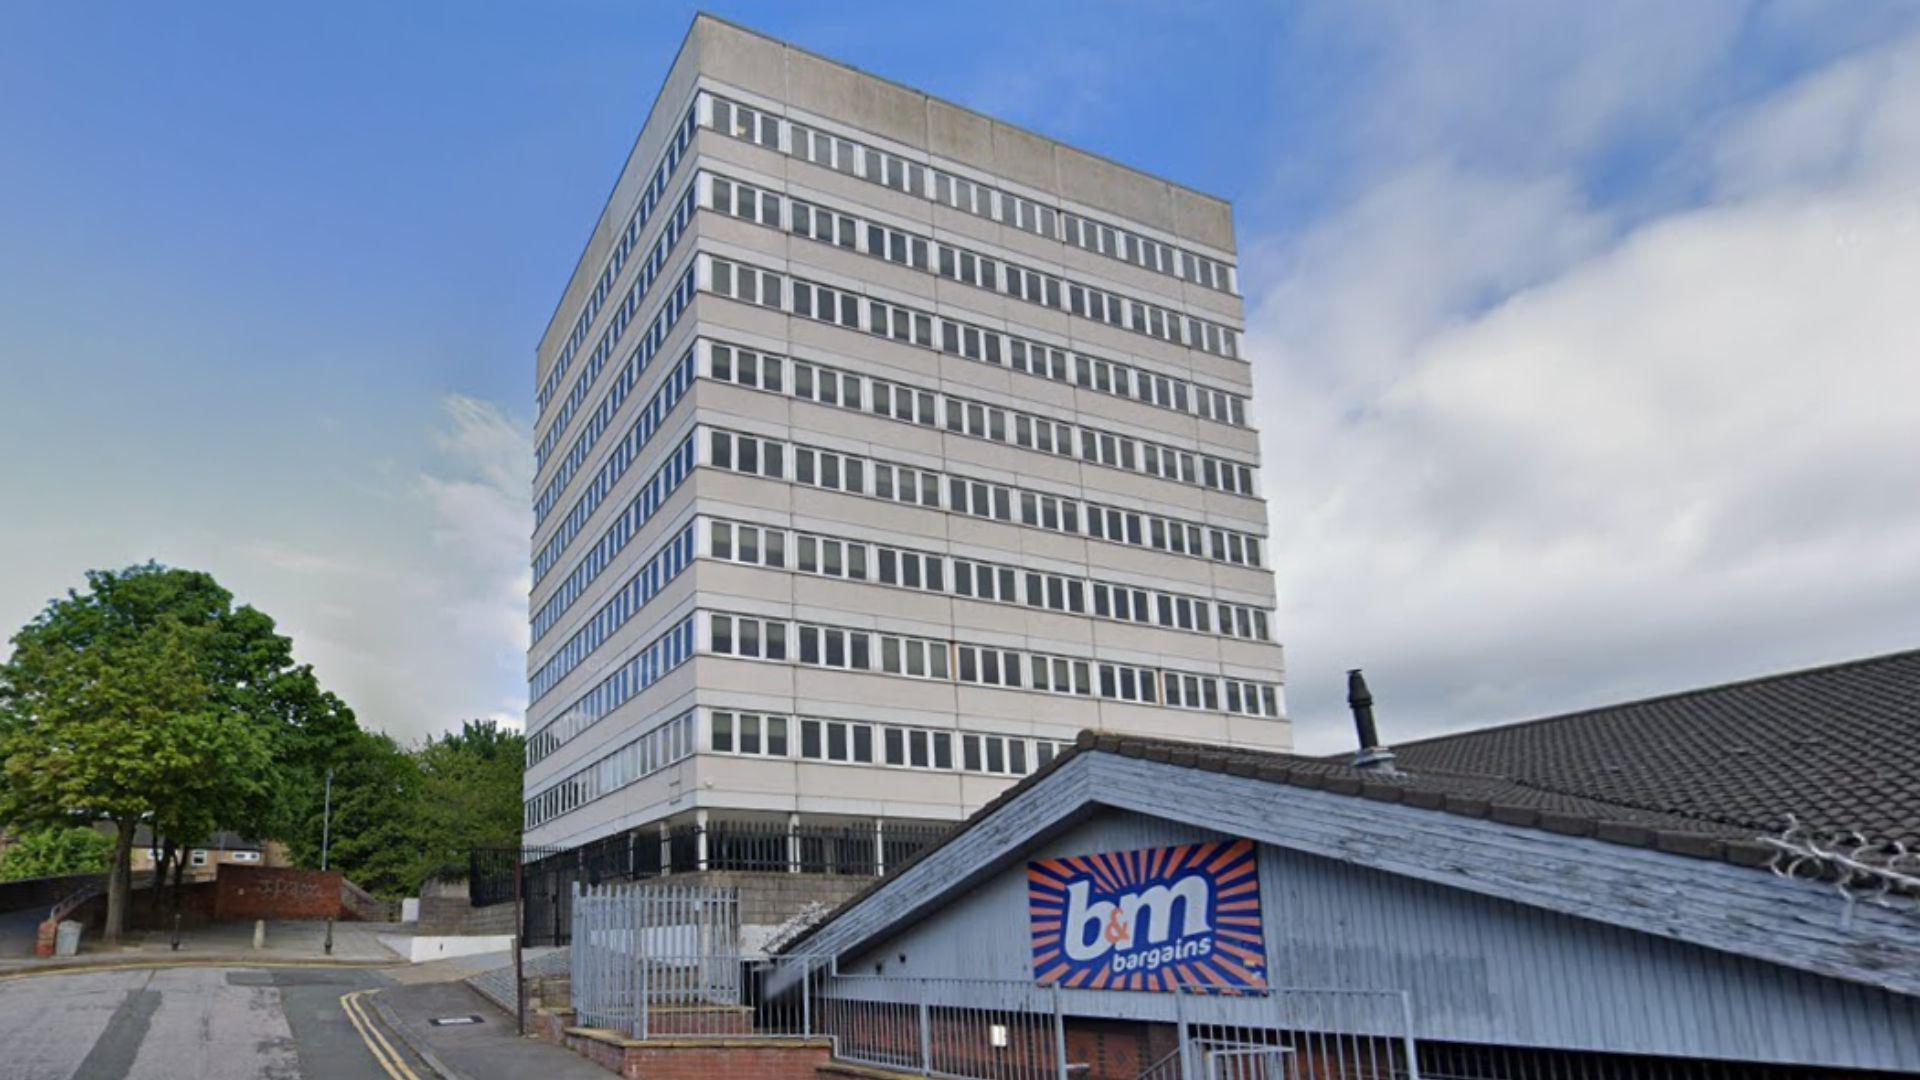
x,y
490,1048
287,942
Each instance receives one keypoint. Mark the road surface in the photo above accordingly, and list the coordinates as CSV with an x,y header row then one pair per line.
x,y
200,1023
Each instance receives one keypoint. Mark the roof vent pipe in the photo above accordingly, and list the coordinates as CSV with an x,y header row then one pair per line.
x,y
1372,755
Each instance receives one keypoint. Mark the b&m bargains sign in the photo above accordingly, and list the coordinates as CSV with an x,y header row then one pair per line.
x,y
1156,919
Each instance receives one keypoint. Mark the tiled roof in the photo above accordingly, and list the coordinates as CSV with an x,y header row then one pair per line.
x,y
1488,797
220,841
1838,747
1702,773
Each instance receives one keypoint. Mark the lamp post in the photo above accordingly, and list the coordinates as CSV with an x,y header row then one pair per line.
x,y
326,840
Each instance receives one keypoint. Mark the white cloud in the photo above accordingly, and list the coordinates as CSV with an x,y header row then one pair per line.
x,y
1526,452
417,615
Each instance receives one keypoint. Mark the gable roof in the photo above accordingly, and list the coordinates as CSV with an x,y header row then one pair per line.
x,y
1837,746
1528,775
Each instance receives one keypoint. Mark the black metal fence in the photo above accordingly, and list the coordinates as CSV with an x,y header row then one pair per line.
x,y
547,875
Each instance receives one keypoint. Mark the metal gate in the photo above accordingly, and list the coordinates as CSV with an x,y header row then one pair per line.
x,y
651,946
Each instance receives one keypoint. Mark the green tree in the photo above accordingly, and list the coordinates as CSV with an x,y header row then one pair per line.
x,y
72,849
376,837
151,698
400,815
472,783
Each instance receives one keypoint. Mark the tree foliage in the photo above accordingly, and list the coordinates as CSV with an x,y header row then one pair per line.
x,y
51,852
399,815
151,698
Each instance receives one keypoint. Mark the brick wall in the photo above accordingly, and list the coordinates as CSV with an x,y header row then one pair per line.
x,y
738,1061
261,892
1118,1049
687,1058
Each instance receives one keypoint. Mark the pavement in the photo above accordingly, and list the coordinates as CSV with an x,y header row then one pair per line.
x,y
474,1051
218,943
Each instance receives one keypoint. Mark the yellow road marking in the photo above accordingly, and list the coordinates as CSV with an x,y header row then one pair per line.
x,y
383,1052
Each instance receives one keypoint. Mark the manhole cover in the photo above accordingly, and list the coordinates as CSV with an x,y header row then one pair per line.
x,y
451,1021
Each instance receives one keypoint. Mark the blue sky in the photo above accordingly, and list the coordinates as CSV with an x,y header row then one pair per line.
x,y
273,277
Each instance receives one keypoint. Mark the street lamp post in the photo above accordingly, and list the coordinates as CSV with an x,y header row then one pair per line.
x,y
326,840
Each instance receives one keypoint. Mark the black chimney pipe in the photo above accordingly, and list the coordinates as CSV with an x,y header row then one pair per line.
x,y
1372,755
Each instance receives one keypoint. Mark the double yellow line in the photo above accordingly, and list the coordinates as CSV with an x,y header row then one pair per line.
x,y
383,1052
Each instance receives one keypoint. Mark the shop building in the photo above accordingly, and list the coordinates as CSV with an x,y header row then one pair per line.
x,y
1598,894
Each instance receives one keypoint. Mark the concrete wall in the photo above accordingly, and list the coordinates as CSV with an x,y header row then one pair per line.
x,y
907,117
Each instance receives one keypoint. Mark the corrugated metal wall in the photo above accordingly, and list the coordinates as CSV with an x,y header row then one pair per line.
x,y
1480,970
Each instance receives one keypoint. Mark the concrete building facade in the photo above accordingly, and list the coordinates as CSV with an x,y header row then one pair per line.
x,y
882,446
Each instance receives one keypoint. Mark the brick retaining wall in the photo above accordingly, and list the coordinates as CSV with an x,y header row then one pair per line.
x,y
686,1058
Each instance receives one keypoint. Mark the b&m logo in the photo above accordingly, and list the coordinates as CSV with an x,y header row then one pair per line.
x,y
1156,919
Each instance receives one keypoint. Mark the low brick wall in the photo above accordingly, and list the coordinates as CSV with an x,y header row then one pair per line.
x,y
685,1058
742,1060
245,893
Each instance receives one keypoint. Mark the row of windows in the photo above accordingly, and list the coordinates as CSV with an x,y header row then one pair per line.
x,y
828,646
656,189
1039,287
665,745
911,327
855,742
831,386
642,284
667,652
660,486
981,200
879,652
674,556
857,560
1117,243
855,475
623,384
623,316
647,424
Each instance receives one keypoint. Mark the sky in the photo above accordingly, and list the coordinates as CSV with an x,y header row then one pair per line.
x,y
1584,337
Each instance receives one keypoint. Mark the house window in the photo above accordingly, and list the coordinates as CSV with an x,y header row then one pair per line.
x,y
199,857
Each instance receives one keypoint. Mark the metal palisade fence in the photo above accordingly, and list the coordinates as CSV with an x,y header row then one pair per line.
x,y
659,961
641,950
545,877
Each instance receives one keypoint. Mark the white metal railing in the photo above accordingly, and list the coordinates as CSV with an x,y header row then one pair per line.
x,y
1287,1032
663,961
986,1030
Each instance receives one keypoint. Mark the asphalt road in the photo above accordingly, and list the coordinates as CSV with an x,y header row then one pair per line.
x,y
201,1023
